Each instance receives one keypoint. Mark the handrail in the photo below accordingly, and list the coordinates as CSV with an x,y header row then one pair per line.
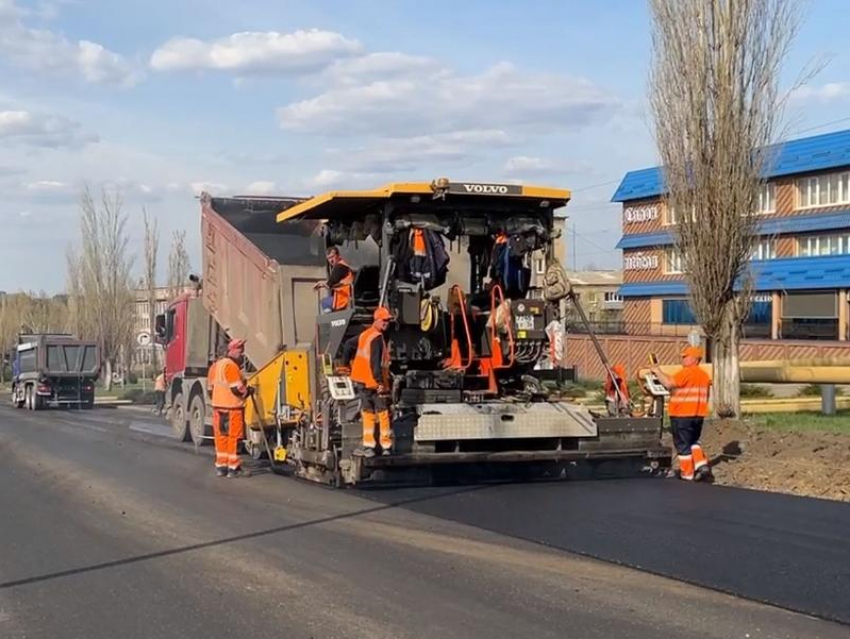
x,y
457,291
511,346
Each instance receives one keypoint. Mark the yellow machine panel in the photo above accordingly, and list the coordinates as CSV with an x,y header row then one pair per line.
x,y
260,410
296,376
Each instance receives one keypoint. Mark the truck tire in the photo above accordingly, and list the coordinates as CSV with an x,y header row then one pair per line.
x,y
28,397
37,401
179,424
19,403
197,420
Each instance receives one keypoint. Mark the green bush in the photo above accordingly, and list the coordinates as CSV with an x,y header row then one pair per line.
x,y
138,396
813,390
755,390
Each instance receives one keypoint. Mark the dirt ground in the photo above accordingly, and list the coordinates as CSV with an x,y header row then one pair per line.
x,y
808,463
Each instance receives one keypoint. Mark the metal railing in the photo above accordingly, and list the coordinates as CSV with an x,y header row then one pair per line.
x,y
659,329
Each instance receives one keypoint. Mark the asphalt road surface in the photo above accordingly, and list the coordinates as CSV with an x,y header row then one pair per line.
x,y
111,530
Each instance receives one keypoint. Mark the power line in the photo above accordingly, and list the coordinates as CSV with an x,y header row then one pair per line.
x,y
820,126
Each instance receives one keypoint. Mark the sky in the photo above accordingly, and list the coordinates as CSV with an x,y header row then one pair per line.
x,y
159,100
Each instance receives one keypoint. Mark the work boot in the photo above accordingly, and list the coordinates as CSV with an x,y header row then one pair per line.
x,y
235,473
704,474
386,451
368,452
221,472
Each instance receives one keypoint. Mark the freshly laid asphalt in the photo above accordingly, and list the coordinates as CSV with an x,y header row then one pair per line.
x,y
110,529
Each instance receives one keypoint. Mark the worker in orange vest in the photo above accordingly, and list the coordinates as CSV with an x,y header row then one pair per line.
x,y
159,386
370,373
689,391
229,392
340,282
617,391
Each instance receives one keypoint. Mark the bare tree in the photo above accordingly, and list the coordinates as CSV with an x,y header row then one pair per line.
x,y
179,266
716,107
149,279
12,309
99,278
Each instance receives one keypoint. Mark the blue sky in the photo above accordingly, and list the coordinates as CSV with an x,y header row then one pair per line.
x,y
160,99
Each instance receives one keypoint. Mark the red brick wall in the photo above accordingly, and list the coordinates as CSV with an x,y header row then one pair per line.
x,y
633,351
636,311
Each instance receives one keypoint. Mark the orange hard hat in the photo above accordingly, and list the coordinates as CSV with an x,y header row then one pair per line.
x,y
382,313
236,345
692,351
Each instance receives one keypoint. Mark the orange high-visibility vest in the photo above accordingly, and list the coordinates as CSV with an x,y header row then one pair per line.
x,y
419,243
690,397
344,290
361,367
226,377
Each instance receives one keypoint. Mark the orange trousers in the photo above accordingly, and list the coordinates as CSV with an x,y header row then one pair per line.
x,y
228,428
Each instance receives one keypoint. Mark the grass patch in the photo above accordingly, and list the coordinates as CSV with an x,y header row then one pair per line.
x,y
813,390
755,391
802,422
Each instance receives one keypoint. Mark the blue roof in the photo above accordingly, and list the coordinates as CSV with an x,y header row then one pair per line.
x,y
817,153
777,226
805,223
796,273
787,274
641,240
650,289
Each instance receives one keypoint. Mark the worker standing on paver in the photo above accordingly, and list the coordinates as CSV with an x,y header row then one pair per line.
x,y
370,373
688,407
340,282
229,392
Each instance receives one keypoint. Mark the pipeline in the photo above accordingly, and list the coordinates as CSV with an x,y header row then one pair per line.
x,y
794,371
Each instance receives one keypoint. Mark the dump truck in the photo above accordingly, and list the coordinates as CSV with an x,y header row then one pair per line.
x,y
54,370
471,343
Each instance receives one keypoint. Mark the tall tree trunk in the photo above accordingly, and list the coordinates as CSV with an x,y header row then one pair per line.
x,y
107,365
727,365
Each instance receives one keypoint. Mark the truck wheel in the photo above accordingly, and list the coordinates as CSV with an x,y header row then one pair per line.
x,y
197,418
178,419
37,401
28,398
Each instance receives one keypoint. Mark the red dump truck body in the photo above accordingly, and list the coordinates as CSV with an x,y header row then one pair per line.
x,y
257,284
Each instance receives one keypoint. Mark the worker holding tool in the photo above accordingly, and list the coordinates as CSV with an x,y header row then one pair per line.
x,y
229,393
370,372
688,408
340,283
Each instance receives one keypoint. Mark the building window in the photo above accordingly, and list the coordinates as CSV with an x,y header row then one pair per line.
x,y
764,249
815,245
671,217
767,198
673,262
613,296
677,312
824,190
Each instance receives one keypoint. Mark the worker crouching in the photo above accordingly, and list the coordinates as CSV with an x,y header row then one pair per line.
x,y
689,392
370,374
229,393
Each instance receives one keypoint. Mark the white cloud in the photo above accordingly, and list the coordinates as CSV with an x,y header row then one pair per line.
x,y
390,155
445,101
35,129
332,179
523,166
214,188
43,50
261,188
824,93
255,52
381,65
48,192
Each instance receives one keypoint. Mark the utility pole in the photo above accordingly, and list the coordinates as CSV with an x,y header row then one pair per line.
x,y
574,246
